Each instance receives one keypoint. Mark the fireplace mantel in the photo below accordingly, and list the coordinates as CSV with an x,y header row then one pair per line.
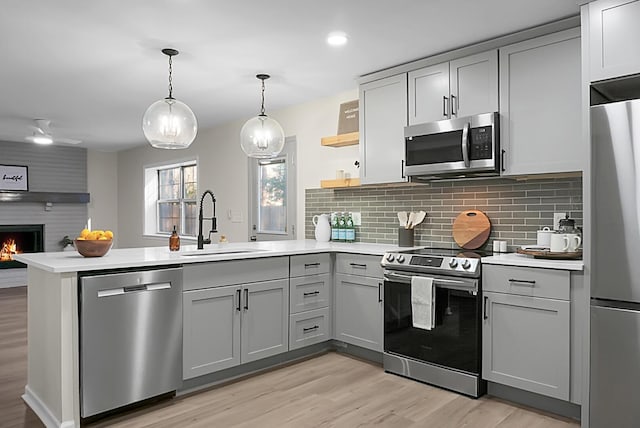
x,y
58,197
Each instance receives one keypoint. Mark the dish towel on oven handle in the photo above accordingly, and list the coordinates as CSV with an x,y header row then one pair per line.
x,y
423,302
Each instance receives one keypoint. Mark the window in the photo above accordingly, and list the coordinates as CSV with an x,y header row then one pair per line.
x,y
171,194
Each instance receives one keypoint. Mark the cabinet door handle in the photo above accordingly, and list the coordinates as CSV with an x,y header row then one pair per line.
x,y
502,160
484,310
402,168
358,265
379,292
444,106
306,330
239,293
246,298
522,281
311,293
454,107
311,265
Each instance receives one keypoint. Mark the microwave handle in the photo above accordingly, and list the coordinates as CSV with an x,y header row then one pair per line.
x,y
465,145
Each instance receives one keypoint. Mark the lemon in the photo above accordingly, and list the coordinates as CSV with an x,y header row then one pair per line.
x,y
84,233
108,234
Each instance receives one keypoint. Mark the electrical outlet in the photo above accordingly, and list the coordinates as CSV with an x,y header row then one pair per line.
x,y
556,219
357,218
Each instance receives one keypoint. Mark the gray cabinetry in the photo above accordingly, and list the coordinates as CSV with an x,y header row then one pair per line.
x,y
358,310
613,38
383,116
310,288
230,319
540,105
265,319
526,329
462,87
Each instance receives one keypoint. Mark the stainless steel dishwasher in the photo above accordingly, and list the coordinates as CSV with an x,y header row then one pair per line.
x,y
130,337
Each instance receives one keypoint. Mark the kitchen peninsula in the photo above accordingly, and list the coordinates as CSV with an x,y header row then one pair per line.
x,y
53,388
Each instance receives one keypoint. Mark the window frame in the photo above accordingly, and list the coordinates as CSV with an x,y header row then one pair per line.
x,y
151,208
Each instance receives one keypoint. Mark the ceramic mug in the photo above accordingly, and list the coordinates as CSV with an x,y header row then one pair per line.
x,y
559,243
574,241
544,237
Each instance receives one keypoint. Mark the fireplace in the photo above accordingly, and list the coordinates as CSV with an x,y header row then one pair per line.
x,y
19,238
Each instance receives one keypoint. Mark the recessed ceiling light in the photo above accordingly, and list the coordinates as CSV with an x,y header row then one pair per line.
x,y
337,38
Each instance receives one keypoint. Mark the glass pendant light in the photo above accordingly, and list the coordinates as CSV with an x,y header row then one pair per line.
x,y
262,137
169,123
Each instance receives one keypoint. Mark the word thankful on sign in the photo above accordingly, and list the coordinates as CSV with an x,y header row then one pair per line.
x,y
13,177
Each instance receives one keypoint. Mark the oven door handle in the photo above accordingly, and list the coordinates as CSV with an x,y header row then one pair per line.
x,y
447,283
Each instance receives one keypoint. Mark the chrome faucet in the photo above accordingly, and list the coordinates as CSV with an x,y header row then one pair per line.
x,y
201,240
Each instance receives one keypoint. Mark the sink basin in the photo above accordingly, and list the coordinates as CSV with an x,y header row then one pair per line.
x,y
218,251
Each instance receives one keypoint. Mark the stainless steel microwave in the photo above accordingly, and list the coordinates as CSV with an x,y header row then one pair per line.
x,y
461,147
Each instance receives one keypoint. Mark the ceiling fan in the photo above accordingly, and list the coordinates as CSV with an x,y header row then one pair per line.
x,y
42,134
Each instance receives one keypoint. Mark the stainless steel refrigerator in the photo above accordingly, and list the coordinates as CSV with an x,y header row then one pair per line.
x,y
615,269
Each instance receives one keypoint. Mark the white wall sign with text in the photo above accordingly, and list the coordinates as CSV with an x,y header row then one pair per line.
x,y
13,177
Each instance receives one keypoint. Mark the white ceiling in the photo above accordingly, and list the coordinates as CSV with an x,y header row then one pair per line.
x,y
93,67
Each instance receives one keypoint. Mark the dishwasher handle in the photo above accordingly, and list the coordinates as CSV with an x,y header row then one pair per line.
x,y
133,288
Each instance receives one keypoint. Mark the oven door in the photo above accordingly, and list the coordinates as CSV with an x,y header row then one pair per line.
x,y
455,146
455,340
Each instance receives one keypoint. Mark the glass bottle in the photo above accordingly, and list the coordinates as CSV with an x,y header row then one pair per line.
x,y
342,225
350,229
335,227
174,240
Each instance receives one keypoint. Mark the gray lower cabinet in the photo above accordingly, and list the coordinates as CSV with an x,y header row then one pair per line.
x,y
230,325
526,334
358,311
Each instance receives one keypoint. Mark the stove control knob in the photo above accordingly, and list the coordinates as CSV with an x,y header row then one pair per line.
x,y
466,264
400,259
453,263
390,257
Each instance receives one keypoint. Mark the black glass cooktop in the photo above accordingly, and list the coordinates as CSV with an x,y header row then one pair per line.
x,y
450,252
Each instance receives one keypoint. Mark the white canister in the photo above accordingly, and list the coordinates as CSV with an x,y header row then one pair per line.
x,y
544,237
559,243
574,240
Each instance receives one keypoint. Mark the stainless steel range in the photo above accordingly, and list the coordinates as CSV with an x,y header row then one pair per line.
x,y
448,354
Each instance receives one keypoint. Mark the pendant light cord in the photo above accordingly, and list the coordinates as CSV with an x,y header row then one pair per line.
x,y
262,109
170,78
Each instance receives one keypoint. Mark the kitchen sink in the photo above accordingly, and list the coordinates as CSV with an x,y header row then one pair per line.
x,y
219,251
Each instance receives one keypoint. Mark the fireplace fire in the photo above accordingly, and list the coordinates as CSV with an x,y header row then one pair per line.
x,y
19,238
9,248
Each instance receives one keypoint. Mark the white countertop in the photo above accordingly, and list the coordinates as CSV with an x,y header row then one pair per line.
x,y
71,261
514,259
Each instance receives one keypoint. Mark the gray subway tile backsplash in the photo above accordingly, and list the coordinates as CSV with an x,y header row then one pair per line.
x,y
517,209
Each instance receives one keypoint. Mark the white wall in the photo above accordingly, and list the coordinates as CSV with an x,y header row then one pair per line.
x,y
223,168
102,184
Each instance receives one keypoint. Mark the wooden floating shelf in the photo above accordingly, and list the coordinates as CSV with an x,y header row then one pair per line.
x,y
345,182
341,140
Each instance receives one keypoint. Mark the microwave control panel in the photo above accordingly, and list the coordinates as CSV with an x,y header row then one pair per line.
x,y
481,143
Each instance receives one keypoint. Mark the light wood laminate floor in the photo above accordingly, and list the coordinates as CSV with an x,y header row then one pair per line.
x,y
332,390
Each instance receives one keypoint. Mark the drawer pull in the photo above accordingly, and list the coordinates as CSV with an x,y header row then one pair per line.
x,y
523,281
312,293
306,330
358,265
484,309
311,265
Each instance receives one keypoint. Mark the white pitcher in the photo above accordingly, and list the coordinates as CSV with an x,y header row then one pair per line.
x,y
323,227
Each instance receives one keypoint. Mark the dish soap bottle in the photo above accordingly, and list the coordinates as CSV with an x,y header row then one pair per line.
x,y
174,240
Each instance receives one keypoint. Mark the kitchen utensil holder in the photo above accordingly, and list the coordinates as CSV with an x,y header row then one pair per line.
x,y
405,237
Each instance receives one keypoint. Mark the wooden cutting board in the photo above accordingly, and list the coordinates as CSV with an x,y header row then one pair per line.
x,y
471,229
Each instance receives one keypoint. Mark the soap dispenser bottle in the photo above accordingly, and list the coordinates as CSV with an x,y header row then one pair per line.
x,y
174,240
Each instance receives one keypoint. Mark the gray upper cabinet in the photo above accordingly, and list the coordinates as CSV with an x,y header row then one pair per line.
x,y
462,87
526,330
383,116
540,105
265,319
211,330
613,38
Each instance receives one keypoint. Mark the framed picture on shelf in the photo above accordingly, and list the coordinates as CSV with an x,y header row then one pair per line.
x,y
14,177
348,119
